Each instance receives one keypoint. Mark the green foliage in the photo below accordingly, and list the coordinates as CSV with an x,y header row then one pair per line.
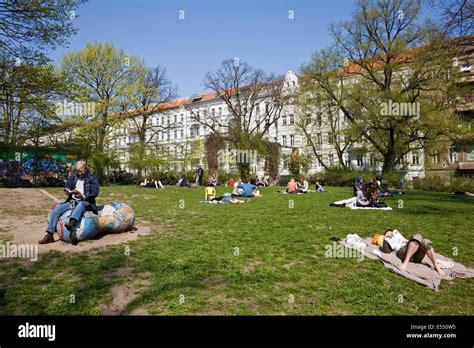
x,y
444,183
122,177
335,176
35,27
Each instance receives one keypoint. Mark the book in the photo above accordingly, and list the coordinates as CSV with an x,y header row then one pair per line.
x,y
396,241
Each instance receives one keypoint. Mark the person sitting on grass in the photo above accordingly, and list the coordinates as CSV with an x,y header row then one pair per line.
x,y
292,187
236,191
303,185
213,181
361,200
182,182
261,181
226,198
358,184
81,189
319,187
408,250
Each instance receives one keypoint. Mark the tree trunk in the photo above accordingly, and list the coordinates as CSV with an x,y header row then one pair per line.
x,y
389,156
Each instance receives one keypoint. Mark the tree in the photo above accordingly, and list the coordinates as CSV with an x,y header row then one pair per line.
x,y
29,28
27,95
99,74
457,16
254,101
146,95
380,60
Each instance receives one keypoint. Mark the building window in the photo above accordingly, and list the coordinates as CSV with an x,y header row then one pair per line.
x,y
182,118
292,140
175,134
292,119
319,139
435,158
415,158
213,112
267,107
168,135
453,155
372,160
360,161
331,138
195,130
469,149
319,119
331,158
175,119
219,111
182,133
283,120
283,137
257,108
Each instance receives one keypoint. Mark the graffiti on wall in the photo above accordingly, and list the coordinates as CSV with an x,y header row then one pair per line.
x,y
34,164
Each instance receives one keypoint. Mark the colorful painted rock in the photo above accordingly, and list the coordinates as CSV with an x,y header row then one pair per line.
x,y
113,218
116,217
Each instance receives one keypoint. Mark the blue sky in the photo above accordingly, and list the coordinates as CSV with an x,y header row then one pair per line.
x,y
258,32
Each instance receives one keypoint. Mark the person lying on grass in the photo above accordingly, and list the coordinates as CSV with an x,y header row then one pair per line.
x,y
407,250
152,184
81,189
226,198
248,190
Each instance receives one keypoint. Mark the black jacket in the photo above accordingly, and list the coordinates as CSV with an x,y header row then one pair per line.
x,y
91,188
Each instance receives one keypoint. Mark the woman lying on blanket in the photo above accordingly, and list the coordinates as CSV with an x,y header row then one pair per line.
x,y
226,198
407,250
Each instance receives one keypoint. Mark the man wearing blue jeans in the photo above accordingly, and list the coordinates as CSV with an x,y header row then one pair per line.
x,y
81,188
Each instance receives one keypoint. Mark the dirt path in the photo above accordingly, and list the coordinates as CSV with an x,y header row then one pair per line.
x,y
23,219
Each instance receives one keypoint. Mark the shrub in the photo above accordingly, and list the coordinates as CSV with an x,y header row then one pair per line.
x,y
224,177
49,182
346,177
122,177
444,184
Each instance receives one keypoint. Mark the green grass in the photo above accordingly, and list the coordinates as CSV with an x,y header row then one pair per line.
x,y
260,258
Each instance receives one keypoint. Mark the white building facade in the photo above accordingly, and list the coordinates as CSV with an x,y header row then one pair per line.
x,y
174,131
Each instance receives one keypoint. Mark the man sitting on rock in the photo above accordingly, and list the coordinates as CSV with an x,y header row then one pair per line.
x,y
81,189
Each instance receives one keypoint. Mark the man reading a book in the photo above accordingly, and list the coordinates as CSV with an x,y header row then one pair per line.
x,y
81,189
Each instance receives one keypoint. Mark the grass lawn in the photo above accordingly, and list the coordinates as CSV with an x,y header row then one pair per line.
x,y
260,258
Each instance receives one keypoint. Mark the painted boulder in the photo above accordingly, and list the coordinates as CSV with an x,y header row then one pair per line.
x,y
115,217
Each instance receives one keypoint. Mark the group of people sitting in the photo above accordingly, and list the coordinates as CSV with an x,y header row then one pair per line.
x,y
302,186
368,194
